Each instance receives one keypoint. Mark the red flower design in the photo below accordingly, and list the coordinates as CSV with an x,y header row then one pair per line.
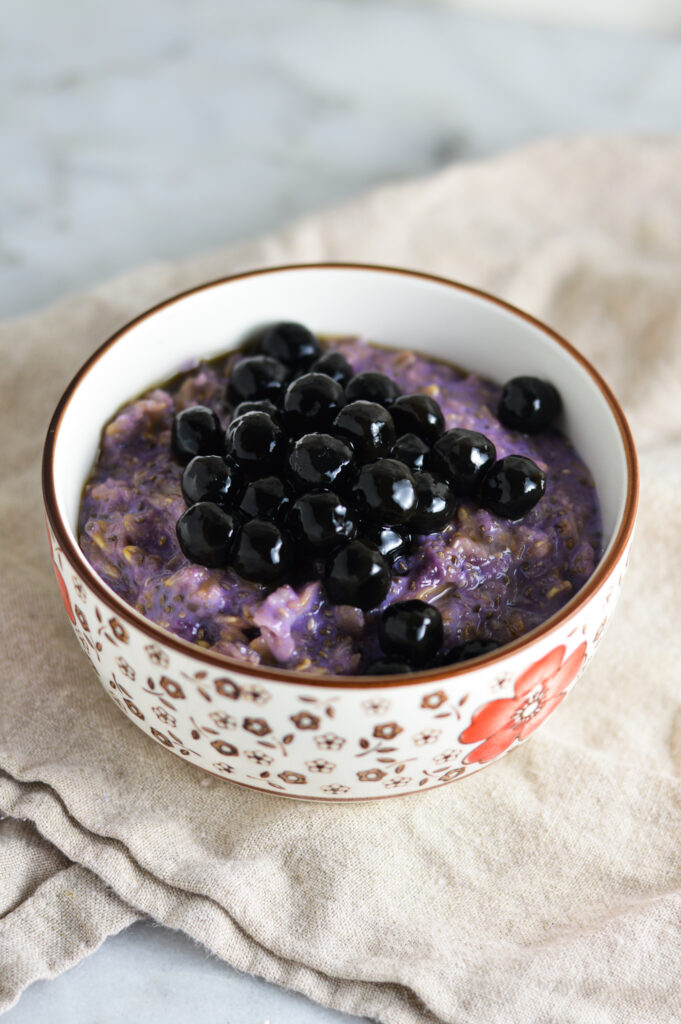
x,y
64,594
537,692
60,580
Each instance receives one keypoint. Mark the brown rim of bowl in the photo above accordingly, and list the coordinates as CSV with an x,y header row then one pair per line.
x,y
221,661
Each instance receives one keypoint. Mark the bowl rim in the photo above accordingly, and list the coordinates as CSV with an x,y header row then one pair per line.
x,y
213,659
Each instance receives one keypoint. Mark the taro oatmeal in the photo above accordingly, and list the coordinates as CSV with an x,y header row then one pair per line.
x,y
340,508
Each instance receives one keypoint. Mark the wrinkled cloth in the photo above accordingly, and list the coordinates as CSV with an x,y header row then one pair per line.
x,y
545,888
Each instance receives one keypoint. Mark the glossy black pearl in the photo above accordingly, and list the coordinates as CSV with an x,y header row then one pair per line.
x,y
205,533
320,522
418,414
292,344
412,451
210,478
369,386
368,426
196,431
528,404
435,504
312,402
262,553
411,630
512,487
472,649
320,461
388,667
255,441
335,365
357,575
265,498
255,378
259,405
384,492
390,541
465,455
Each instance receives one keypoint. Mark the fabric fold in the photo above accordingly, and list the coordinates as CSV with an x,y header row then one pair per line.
x,y
34,942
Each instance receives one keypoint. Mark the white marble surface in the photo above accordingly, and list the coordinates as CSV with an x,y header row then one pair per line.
x,y
662,15
151,975
155,128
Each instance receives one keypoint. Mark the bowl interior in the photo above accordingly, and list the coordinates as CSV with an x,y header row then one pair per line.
x,y
389,307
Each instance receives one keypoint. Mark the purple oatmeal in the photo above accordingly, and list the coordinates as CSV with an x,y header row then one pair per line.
x,y
491,578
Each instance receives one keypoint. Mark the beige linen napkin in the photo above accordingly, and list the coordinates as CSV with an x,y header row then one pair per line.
x,y
545,889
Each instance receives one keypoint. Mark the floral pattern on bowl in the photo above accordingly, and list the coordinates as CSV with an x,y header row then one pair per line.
x,y
324,743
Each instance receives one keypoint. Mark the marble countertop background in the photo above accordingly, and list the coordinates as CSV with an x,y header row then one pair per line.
x,y
152,129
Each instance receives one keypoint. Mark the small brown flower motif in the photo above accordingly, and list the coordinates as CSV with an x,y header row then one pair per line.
x,y
329,741
371,775
133,709
294,778
161,738
320,765
304,720
426,736
335,789
222,720
119,631
81,618
225,748
434,700
396,782
126,669
227,688
388,731
224,767
79,589
258,726
172,688
157,655
258,756
375,706
165,716
256,694
446,756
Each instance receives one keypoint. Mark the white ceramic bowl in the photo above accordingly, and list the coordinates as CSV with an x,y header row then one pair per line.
x,y
318,737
